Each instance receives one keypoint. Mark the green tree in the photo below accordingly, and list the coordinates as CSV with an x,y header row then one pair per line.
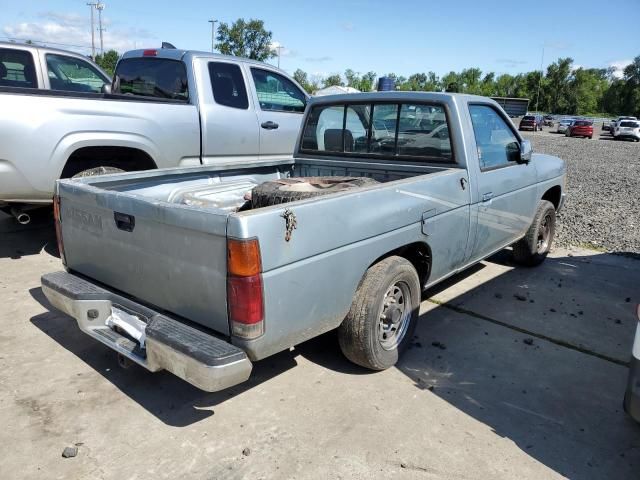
x,y
245,39
632,87
302,78
107,61
333,80
451,82
587,89
557,85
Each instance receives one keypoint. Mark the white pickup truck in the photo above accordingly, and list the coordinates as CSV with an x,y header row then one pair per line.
x,y
165,108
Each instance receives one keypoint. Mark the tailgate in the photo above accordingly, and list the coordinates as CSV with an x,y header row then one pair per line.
x,y
168,255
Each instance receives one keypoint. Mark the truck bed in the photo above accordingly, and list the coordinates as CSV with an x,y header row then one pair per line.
x,y
161,236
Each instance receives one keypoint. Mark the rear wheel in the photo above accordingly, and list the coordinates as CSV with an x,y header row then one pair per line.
x,y
383,315
536,244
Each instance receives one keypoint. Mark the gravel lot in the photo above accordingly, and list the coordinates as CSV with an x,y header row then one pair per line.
x,y
603,201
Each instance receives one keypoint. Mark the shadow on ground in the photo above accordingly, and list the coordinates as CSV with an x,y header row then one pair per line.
x,y
551,384
23,240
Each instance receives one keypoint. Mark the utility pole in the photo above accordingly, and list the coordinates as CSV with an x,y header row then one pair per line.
x,y
279,47
213,31
540,79
100,7
91,5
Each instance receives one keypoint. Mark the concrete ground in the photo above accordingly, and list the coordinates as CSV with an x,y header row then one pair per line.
x,y
514,373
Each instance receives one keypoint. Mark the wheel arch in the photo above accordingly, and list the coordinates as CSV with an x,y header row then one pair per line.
x,y
553,195
418,253
127,158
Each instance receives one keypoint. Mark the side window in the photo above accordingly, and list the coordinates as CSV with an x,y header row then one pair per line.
x,y
383,129
496,143
323,130
73,75
277,93
356,134
228,85
423,132
17,69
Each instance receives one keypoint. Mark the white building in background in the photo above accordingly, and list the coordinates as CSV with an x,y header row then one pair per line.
x,y
335,90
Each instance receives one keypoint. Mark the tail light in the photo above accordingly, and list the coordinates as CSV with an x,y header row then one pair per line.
x,y
245,296
58,225
149,53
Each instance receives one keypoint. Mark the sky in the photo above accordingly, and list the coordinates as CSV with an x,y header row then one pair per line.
x,y
323,38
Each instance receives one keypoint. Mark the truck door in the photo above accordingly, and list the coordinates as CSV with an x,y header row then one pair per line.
x,y
228,118
279,105
505,195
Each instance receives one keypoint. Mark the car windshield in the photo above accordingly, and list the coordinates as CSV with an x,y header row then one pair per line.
x,y
582,123
631,124
566,122
529,117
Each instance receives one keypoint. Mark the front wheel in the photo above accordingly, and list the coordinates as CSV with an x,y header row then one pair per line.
x,y
383,315
536,244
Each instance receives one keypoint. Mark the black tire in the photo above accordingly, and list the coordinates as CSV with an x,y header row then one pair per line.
x,y
536,244
96,171
291,189
362,331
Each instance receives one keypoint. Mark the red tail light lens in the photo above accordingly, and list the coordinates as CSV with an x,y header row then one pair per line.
x,y
244,288
58,225
150,53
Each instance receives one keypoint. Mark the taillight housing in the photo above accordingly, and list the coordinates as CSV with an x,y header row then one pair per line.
x,y
245,294
150,52
58,225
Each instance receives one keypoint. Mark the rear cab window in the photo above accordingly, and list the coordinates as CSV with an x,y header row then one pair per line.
x,y
408,131
228,85
17,69
152,77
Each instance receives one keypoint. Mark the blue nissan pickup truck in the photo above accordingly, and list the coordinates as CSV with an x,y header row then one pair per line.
x,y
204,270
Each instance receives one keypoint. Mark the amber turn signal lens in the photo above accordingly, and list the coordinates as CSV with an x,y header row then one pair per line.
x,y
243,257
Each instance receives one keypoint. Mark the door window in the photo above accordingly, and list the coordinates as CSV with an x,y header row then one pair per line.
x,y
228,85
73,75
17,69
496,143
277,93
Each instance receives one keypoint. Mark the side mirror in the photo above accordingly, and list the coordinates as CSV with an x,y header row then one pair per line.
x,y
106,88
525,151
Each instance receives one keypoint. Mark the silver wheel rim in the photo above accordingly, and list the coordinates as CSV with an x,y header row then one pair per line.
x,y
544,233
395,316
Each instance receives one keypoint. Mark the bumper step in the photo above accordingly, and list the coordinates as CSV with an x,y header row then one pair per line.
x,y
200,358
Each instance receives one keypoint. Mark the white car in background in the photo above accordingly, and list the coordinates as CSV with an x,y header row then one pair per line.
x,y
628,129
614,123
564,124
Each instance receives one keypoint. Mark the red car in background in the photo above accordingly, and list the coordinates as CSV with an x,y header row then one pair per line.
x,y
580,128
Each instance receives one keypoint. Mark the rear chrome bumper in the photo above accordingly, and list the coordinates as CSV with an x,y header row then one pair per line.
x,y
197,357
632,395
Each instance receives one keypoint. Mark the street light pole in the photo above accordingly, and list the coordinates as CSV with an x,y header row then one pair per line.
x,y
93,39
279,48
100,7
213,30
540,79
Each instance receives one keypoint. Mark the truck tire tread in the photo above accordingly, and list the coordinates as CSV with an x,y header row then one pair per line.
x,y
358,333
525,251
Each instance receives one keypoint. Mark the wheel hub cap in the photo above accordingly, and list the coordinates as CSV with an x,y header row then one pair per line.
x,y
394,316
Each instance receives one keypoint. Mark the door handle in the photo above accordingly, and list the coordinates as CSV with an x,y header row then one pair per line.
x,y
124,222
269,125
487,196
